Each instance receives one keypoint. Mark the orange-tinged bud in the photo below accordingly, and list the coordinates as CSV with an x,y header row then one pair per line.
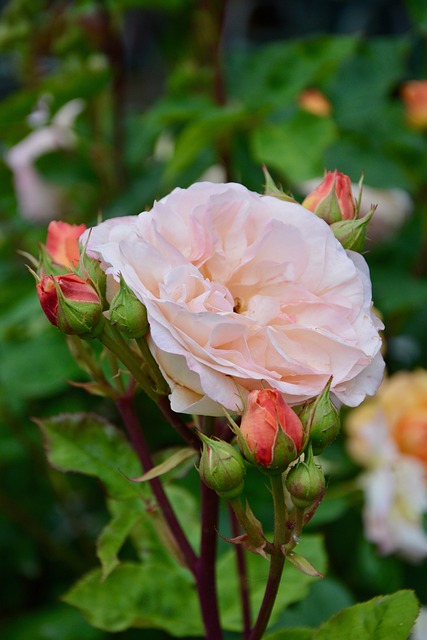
x,y
62,243
315,102
414,95
271,434
333,199
70,303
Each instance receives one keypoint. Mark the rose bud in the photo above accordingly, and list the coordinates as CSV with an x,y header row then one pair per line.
x,y
222,468
128,313
70,303
62,243
414,94
305,482
271,434
333,199
321,420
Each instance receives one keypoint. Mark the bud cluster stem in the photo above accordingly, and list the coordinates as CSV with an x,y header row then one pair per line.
x,y
277,561
112,339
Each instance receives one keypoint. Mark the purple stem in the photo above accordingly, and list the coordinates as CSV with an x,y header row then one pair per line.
x,y
242,575
206,574
131,422
178,424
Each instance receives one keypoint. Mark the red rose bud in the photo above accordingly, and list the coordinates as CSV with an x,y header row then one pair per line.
x,y
271,434
321,420
333,199
62,243
305,482
70,303
128,313
222,468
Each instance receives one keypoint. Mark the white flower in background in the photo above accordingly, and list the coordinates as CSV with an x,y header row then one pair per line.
x,y
419,631
38,199
387,436
393,207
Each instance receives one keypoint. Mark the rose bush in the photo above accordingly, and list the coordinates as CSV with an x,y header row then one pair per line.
x,y
242,292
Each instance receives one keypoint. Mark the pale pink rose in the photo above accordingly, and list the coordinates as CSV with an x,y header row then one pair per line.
x,y
245,292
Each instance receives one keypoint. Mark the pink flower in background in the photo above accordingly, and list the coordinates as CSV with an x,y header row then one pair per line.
x,y
245,292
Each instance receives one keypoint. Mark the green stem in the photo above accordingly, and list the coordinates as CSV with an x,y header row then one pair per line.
x,y
161,384
277,560
118,346
254,536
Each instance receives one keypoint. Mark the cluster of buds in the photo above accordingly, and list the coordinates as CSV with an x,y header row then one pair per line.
x,y
72,288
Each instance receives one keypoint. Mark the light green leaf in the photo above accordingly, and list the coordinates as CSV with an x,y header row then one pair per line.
x,y
303,565
112,539
295,147
151,595
170,463
87,444
294,585
383,618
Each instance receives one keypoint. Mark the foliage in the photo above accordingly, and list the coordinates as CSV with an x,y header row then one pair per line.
x,y
139,134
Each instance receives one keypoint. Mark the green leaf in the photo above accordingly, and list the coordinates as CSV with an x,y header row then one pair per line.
x,y
294,586
295,147
170,463
88,444
291,634
150,595
303,565
112,539
382,618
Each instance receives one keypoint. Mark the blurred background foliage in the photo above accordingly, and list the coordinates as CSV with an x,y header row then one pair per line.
x,y
164,93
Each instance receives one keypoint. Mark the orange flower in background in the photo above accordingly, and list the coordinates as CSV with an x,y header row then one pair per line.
x,y
315,102
388,437
62,243
414,95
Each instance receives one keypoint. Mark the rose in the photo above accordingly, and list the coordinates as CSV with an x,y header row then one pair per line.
x,y
62,243
387,435
414,95
332,199
70,303
244,292
393,423
271,434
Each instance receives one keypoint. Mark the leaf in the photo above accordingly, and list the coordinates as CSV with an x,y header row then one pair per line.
x,y
382,618
294,586
87,444
302,564
150,595
291,634
112,539
170,463
295,147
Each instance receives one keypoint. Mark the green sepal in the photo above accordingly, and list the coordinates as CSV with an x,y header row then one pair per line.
x,y
352,233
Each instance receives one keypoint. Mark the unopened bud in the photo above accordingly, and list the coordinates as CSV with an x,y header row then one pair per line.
x,y
321,420
333,199
62,243
305,482
71,304
271,434
352,233
222,468
128,313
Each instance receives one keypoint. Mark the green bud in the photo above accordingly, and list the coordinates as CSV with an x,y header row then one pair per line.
x,y
352,233
321,420
128,313
305,482
91,269
222,468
